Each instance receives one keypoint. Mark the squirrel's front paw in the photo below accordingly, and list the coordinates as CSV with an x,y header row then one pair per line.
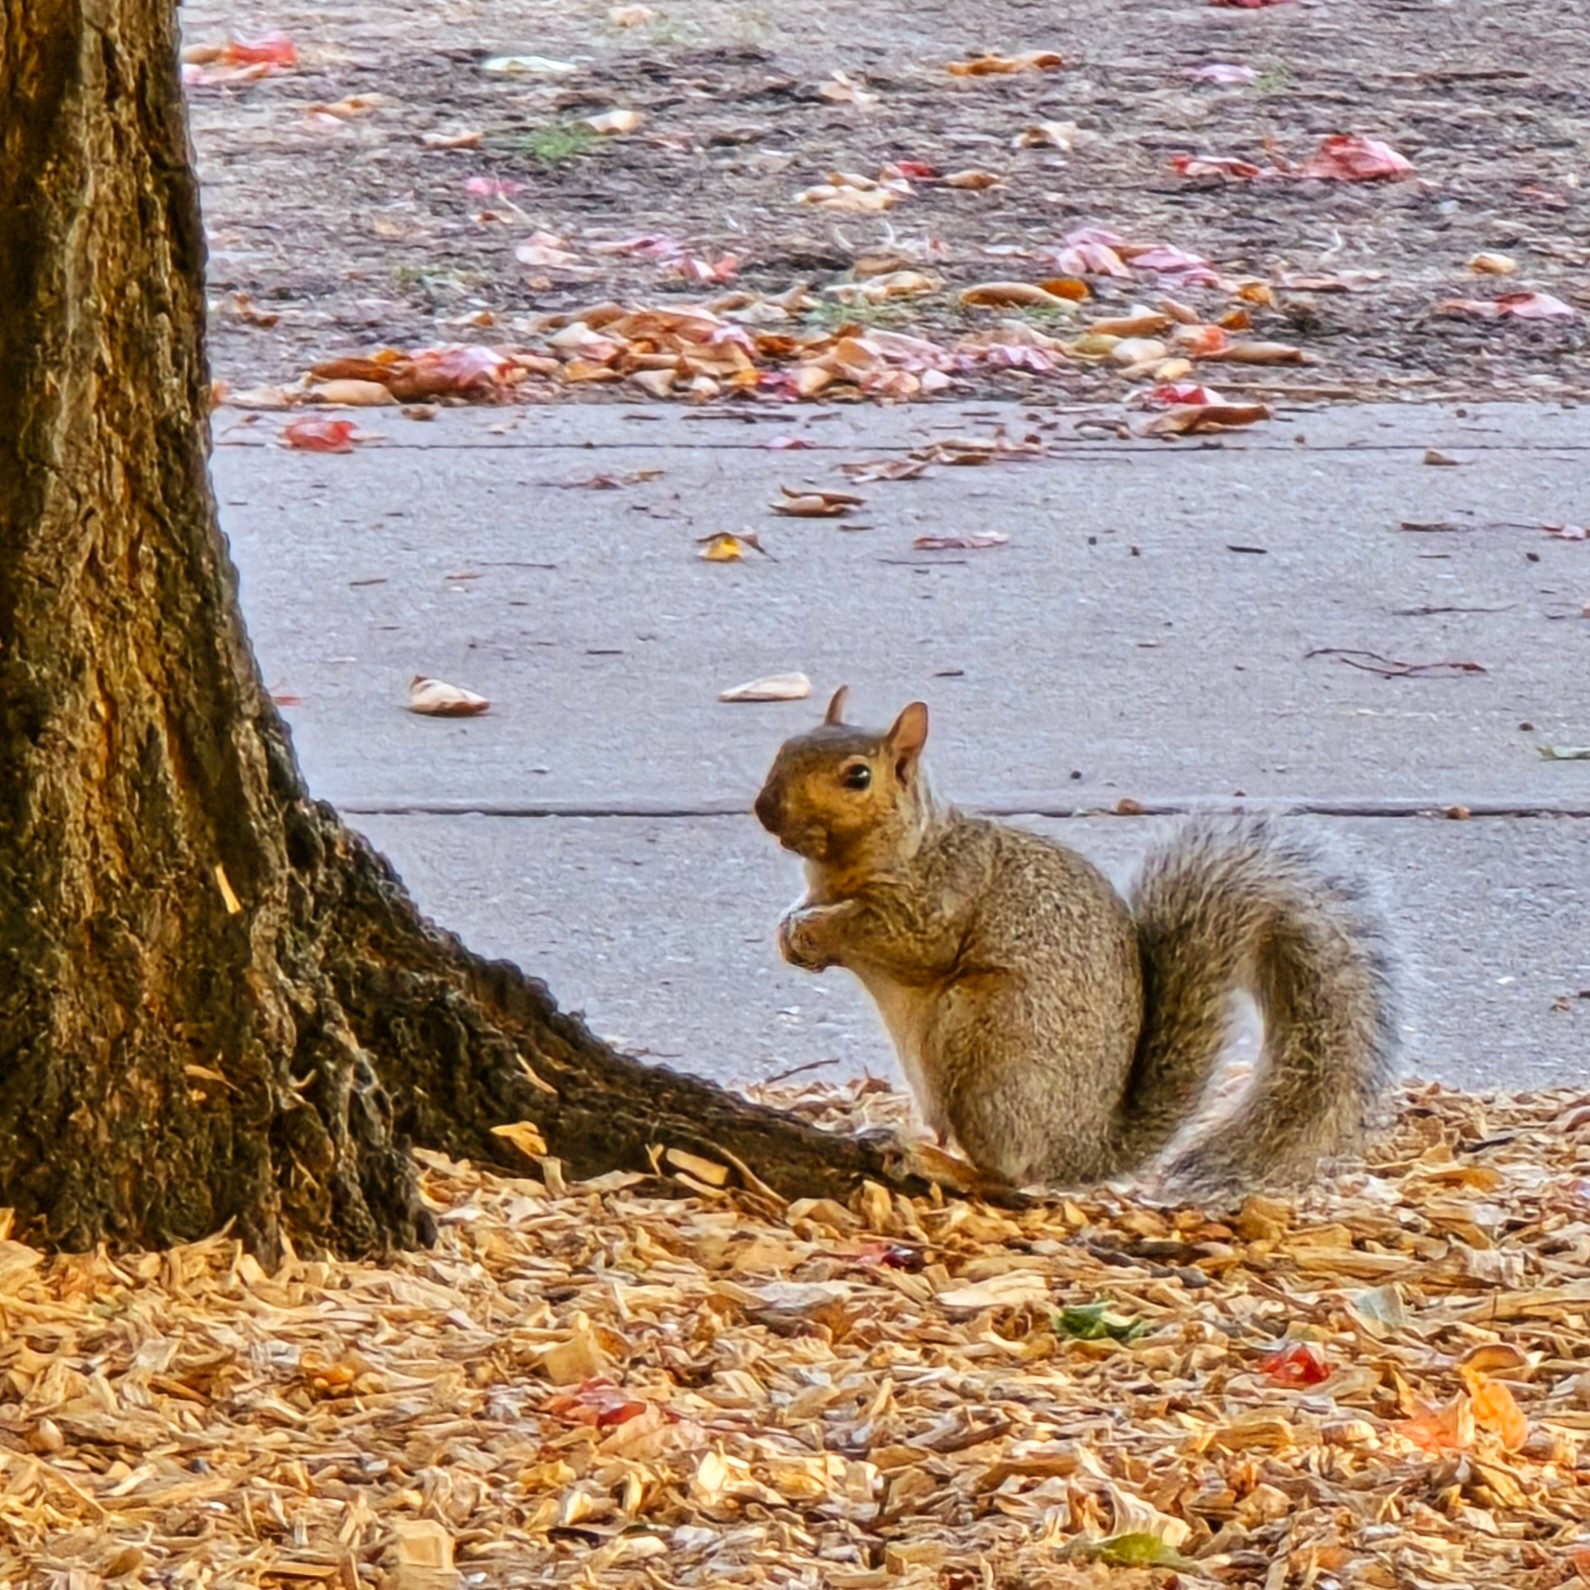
x,y
802,935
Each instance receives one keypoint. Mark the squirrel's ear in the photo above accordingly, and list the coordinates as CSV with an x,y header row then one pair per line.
x,y
836,707
908,736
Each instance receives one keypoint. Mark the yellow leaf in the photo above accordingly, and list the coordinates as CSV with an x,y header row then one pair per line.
x,y
525,1136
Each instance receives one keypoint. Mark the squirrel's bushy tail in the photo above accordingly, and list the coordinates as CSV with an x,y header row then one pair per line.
x,y
1228,905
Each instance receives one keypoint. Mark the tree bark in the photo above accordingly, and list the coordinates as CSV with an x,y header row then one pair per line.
x,y
216,1003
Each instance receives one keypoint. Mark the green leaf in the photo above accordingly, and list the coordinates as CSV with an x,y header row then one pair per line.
x,y
1132,1551
1092,1322
1566,753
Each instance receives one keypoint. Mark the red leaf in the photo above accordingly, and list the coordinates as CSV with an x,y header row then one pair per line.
x,y
1295,1364
1192,270
1521,306
1534,306
269,49
315,434
596,1402
1215,166
1345,157
1164,397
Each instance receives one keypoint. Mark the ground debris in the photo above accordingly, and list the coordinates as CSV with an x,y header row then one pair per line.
x,y
581,1384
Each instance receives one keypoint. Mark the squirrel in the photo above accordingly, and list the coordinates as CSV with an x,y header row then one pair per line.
x,y
1062,1034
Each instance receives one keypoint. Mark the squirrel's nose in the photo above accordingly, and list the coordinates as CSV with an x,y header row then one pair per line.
x,y
767,810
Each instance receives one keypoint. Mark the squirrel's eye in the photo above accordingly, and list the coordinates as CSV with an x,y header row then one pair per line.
x,y
858,777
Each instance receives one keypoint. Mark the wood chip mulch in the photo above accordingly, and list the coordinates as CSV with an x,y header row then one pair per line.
x,y
1385,1384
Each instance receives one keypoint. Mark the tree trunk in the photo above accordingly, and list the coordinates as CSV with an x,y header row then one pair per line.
x,y
216,1003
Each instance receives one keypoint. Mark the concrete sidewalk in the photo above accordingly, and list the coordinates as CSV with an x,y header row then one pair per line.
x,y
1145,634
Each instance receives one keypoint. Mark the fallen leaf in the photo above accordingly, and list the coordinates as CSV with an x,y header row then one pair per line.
x,y
998,65
1263,353
1496,1409
459,138
1065,135
1448,1428
976,541
1215,166
611,123
881,289
1345,282
774,687
863,470
1189,418
1190,269
259,397
315,435
269,49
352,394
909,171
1431,456
723,547
1181,392
1139,1550
1493,264
853,194
630,16
527,66
599,482
972,178
1347,157
1220,73
1201,342
1521,306
813,504
545,251
1093,1322
1566,753
1295,1364
433,698
1009,295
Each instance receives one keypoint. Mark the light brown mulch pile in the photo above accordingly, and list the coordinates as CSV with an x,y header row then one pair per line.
x,y
588,1385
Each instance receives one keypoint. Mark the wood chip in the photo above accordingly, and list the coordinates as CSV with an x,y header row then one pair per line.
x,y
586,1385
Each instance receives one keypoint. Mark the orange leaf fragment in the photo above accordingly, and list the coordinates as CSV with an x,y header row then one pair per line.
x,y
1007,295
1495,1408
971,178
1449,1428
998,65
